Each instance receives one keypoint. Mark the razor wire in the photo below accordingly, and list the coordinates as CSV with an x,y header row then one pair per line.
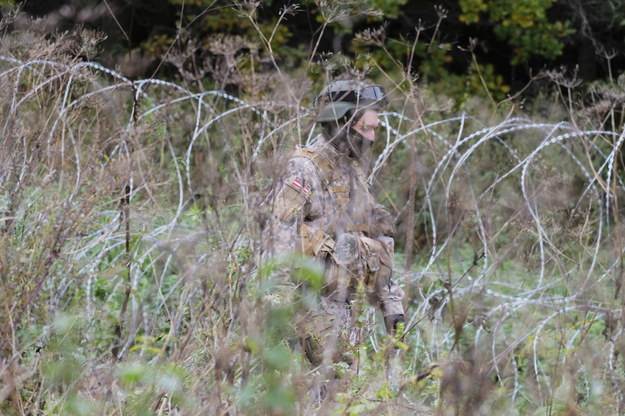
x,y
451,170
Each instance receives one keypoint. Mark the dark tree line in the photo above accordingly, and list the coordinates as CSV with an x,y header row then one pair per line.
x,y
515,39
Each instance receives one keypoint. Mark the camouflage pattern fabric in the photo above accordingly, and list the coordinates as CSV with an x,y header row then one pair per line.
x,y
324,207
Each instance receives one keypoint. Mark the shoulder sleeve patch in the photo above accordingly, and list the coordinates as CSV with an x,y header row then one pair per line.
x,y
291,199
296,183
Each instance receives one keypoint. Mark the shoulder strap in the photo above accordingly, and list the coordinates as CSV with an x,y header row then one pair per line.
x,y
322,163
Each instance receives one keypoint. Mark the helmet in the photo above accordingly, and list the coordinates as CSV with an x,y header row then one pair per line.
x,y
338,97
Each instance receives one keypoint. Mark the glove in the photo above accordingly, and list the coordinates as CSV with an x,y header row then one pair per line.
x,y
391,322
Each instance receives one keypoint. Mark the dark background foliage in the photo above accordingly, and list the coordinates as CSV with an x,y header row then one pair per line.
x,y
518,39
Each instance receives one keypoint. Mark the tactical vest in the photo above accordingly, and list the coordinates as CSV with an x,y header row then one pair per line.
x,y
317,242
339,192
370,253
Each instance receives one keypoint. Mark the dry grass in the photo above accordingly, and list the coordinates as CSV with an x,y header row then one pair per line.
x,y
129,222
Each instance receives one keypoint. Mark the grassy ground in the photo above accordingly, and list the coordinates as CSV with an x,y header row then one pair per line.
x,y
130,214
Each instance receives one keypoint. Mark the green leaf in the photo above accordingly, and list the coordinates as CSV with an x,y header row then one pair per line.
x,y
130,374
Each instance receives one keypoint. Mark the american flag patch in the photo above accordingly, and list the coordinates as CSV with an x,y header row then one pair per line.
x,y
297,184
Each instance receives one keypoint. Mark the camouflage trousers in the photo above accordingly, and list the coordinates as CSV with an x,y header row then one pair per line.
x,y
359,272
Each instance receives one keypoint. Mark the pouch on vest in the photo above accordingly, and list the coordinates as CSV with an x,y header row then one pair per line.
x,y
375,254
314,242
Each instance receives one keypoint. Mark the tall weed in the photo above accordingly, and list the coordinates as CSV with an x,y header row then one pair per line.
x,y
130,219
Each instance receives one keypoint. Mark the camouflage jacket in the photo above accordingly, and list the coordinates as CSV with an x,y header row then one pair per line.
x,y
323,195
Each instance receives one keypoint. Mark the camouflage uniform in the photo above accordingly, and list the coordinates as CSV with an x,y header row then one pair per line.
x,y
323,207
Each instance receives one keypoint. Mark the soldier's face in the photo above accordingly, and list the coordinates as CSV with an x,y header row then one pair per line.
x,y
367,125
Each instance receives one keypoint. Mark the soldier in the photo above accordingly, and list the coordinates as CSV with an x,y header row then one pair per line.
x,y
324,207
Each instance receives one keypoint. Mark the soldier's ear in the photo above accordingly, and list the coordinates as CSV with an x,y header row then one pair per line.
x,y
353,116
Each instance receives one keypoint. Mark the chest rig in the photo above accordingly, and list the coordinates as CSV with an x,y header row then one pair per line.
x,y
354,214
357,257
